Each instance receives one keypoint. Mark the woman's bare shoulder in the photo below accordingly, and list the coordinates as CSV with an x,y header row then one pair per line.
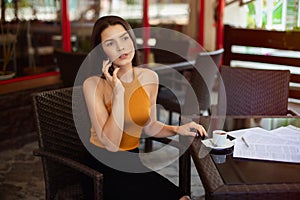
x,y
93,82
145,74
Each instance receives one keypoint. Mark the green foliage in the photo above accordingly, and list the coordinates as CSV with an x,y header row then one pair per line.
x,y
251,8
277,15
264,20
284,122
251,16
9,3
24,3
296,28
130,2
8,40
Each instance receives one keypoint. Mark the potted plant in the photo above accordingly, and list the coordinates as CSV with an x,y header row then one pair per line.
x,y
7,43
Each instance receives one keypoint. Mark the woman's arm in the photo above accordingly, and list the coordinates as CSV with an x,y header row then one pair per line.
x,y
108,127
158,129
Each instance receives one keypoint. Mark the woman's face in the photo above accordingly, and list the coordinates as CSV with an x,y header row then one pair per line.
x,y
117,45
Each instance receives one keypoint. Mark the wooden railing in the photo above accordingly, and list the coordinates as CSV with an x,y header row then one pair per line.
x,y
279,40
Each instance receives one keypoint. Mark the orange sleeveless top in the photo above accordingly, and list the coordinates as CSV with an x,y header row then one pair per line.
x,y
136,114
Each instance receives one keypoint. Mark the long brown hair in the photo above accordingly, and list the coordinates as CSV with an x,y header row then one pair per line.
x,y
101,24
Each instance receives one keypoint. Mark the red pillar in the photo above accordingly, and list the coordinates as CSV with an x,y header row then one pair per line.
x,y
220,25
201,20
146,31
66,27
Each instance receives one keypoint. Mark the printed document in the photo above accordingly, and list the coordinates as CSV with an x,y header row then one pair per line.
x,y
281,144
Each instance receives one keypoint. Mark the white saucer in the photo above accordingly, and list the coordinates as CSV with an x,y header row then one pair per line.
x,y
208,143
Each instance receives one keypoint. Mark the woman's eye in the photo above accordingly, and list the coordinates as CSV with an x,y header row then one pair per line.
x,y
126,37
108,44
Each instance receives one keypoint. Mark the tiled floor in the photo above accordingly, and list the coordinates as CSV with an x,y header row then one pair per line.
x,y
21,174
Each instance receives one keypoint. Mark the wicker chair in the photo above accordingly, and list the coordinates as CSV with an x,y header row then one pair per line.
x,y
60,148
68,64
201,87
205,64
254,92
202,81
169,51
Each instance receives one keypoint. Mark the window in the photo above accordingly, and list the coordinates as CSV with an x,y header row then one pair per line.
x,y
160,11
266,14
275,14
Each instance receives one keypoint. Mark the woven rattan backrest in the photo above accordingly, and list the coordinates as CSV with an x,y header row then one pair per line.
x,y
254,91
56,129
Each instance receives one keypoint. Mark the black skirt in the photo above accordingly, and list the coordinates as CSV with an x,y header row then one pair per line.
x,y
120,185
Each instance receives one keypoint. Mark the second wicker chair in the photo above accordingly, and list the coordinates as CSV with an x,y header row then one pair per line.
x,y
254,92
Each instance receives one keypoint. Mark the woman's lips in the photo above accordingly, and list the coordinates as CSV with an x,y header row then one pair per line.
x,y
123,56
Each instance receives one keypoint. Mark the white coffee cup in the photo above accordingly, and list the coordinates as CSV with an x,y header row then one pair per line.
x,y
219,137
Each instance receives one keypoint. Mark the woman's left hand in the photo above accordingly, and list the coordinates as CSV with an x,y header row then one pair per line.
x,y
192,129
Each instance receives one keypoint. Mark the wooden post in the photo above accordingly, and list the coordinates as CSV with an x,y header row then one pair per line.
x,y
3,7
16,9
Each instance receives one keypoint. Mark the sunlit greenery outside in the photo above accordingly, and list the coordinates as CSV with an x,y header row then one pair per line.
x,y
274,14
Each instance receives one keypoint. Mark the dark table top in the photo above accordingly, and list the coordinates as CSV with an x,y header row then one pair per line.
x,y
237,176
249,171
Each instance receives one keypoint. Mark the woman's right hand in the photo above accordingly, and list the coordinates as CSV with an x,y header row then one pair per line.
x,y
113,80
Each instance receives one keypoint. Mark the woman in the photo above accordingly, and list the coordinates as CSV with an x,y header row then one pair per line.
x,y
122,103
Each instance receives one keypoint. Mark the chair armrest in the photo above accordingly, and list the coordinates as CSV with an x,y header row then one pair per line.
x,y
168,141
293,113
179,82
95,175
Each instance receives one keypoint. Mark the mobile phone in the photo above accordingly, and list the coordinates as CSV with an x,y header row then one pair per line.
x,y
111,69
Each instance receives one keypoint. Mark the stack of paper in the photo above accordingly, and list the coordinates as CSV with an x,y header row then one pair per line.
x,y
281,144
